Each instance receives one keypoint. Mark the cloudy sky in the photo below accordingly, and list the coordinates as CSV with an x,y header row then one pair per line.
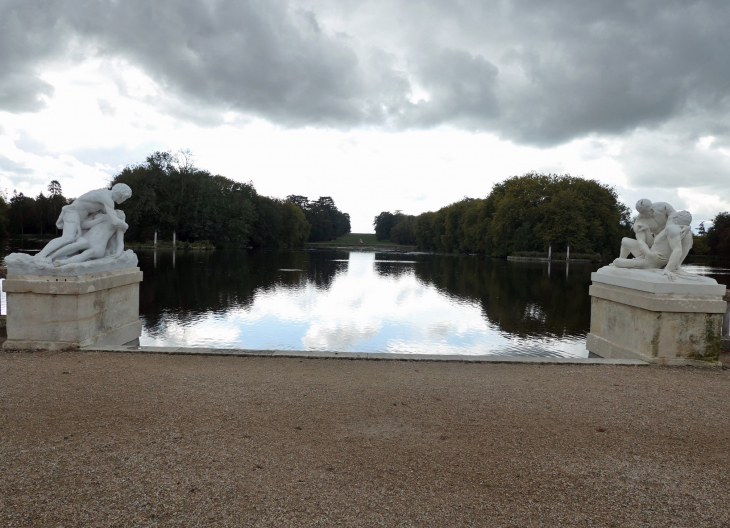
x,y
381,104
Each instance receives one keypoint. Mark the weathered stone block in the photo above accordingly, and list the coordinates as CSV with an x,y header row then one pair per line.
x,y
56,313
661,322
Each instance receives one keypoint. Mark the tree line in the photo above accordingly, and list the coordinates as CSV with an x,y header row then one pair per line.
x,y
529,213
170,194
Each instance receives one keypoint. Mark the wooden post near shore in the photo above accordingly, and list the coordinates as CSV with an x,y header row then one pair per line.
x,y
174,241
155,242
550,251
567,255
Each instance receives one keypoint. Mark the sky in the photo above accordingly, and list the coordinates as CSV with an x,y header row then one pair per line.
x,y
383,105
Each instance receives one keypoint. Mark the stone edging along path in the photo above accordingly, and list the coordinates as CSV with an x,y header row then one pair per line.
x,y
360,355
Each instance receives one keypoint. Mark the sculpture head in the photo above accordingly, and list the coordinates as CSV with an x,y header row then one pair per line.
x,y
120,192
681,218
644,206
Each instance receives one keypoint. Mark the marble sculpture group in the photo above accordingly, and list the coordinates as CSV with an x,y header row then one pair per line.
x,y
663,239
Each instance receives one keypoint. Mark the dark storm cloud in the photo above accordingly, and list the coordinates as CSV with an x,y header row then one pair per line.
x,y
537,72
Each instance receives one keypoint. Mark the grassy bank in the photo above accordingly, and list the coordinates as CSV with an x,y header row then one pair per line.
x,y
353,239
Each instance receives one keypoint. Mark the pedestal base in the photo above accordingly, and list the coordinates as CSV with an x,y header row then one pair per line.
x,y
62,313
650,318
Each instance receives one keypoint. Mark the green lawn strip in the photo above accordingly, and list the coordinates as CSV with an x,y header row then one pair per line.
x,y
353,239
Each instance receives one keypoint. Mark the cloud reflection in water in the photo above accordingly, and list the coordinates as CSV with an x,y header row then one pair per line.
x,y
369,306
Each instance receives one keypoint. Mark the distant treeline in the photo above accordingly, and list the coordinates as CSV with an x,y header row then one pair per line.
x,y
714,241
531,212
171,195
522,213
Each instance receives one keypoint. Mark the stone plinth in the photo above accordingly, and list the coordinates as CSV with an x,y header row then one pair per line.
x,y
641,314
59,313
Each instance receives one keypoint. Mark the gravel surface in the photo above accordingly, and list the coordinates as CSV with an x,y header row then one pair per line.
x,y
95,439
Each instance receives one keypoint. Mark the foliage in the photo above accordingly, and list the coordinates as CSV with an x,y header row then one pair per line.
x,y
403,232
718,235
699,242
396,227
279,224
326,220
384,222
528,213
171,195
25,215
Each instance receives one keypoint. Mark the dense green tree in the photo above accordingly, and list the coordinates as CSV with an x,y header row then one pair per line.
x,y
528,213
326,220
718,235
279,224
403,232
170,194
384,222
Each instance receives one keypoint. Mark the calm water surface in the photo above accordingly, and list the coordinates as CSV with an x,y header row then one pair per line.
x,y
361,301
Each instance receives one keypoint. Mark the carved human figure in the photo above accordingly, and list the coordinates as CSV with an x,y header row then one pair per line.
x,y
648,224
70,223
102,232
668,251
73,216
102,200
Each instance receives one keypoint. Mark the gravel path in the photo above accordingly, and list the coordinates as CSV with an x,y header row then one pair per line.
x,y
94,439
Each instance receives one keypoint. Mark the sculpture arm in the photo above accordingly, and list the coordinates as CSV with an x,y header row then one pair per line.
x,y
120,243
644,237
109,208
674,237
88,224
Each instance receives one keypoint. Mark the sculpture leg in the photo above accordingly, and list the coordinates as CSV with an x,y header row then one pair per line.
x,y
89,254
70,249
631,263
630,246
53,245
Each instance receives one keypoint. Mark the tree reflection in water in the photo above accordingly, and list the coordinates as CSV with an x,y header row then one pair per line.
x,y
205,282
520,298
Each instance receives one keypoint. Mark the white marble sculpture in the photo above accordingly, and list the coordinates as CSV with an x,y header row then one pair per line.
x,y
92,240
663,239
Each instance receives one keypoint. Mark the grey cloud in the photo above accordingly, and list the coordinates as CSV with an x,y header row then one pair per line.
x,y
106,107
664,160
536,72
28,36
9,166
460,87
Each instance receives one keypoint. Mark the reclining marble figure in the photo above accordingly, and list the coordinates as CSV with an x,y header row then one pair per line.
x,y
649,223
92,239
73,216
82,289
102,238
70,224
667,251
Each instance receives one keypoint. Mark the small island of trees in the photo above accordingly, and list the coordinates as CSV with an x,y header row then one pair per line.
x,y
523,215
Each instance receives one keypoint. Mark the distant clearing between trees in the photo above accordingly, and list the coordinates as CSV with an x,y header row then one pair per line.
x,y
353,239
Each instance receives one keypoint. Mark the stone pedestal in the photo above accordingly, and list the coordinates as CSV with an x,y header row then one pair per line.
x,y
60,313
641,314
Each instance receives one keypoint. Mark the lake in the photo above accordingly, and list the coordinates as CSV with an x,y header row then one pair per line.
x,y
367,301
